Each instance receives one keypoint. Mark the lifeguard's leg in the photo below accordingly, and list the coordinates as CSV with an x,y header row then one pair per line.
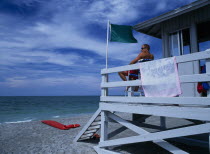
x,y
123,75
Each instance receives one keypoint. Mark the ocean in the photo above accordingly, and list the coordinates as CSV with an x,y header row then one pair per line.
x,y
16,109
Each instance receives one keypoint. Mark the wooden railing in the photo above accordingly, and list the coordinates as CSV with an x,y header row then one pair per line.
x,y
194,78
190,107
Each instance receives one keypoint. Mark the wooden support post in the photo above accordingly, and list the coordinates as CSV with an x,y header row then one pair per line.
x,y
104,120
165,41
104,126
104,91
193,49
208,92
209,142
130,94
163,122
139,130
185,131
193,38
130,91
208,72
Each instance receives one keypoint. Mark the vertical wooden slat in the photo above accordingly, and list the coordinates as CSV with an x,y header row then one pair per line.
x,y
196,70
208,72
104,126
165,41
193,38
193,49
209,142
163,38
104,91
163,122
208,92
130,91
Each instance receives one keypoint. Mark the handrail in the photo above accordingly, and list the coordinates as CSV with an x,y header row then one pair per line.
x,y
190,78
183,79
201,101
180,59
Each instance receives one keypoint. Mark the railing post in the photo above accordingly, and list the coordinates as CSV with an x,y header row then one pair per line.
x,y
163,122
104,121
104,126
208,72
209,143
130,94
208,92
130,91
104,91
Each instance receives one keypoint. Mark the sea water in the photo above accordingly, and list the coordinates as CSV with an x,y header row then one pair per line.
x,y
17,109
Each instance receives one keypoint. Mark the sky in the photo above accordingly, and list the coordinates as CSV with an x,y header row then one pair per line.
x,y
57,47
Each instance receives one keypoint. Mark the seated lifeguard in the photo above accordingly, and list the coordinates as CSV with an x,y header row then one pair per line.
x,y
144,54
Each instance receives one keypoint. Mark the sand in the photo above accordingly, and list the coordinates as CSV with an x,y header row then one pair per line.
x,y
36,137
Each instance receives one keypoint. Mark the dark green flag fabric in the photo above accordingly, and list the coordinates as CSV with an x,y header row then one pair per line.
x,y
122,33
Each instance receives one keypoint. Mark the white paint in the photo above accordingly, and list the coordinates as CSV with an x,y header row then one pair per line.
x,y
199,101
167,111
191,130
179,59
104,126
138,130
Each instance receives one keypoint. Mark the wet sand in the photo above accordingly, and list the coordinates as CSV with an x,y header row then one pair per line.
x,y
36,137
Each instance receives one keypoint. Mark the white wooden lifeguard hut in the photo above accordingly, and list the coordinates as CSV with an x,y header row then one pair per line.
x,y
185,34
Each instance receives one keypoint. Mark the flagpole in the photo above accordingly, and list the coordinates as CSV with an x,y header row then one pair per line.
x,y
107,43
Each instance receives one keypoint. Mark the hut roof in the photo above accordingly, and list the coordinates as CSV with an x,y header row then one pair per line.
x,y
153,26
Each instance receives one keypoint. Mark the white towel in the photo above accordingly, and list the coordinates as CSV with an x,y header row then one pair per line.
x,y
160,78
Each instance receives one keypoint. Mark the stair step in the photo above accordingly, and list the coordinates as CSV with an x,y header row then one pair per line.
x,y
87,135
85,138
96,123
91,131
91,127
98,119
94,127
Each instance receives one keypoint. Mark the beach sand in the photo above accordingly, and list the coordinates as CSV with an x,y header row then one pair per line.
x,y
36,137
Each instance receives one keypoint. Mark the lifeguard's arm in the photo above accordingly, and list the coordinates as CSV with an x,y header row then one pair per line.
x,y
140,56
136,59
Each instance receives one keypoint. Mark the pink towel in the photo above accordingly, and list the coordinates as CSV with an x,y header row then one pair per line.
x,y
160,78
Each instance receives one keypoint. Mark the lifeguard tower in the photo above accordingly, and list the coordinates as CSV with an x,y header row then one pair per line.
x,y
185,34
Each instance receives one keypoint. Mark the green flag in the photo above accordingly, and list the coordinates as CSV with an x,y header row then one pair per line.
x,y
122,33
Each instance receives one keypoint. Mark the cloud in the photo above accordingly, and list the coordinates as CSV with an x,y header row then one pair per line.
x,y
33,35
65,29
118,11
51,86
25,2
21,81
38,57
167,5
45,37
